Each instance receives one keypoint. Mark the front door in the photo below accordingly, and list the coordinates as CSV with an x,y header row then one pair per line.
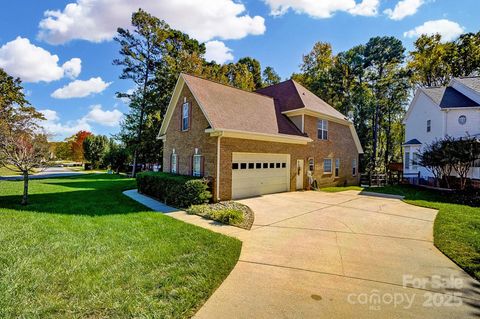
x,y
300,174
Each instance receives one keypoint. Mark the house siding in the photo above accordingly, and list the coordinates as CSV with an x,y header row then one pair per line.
x,y
340,145
185,142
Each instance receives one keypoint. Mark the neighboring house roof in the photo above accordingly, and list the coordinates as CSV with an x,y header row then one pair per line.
x,y
413,142
230,108
473,82
448,97
292,96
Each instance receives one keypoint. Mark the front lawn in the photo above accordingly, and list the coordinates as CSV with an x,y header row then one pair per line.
x,y
84,250
456,229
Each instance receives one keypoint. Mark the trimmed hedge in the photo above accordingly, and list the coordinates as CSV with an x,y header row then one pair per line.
x,y
174,190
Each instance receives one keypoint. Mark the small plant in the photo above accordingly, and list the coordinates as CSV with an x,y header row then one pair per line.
x,y
218,212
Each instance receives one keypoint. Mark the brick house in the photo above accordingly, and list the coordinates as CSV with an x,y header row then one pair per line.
x,y
277,139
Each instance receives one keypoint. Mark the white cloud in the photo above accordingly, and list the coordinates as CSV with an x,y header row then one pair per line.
x,y
53,126
20,58
324,8
404,8
449,30
72,68
79,88
217,51
105,118
98,20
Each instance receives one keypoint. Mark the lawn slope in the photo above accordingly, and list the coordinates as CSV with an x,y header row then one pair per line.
x,y
83,249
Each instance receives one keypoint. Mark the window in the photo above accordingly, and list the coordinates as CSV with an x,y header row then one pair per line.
x,y
462,119
327,166
251,165
322,127
258,165
265,165
407,160
197,165
284,165
429,125
243,165
354,167
337,167
185,116
174,164
272,165
415,160
277,165
234,165
311,164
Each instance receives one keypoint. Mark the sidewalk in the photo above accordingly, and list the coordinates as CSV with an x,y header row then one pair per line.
x,y
176,213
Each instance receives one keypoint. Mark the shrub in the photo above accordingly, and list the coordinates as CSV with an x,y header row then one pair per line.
x,y
227,216
175,190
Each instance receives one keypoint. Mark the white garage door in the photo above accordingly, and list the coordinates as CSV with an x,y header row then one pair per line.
x,y
259,173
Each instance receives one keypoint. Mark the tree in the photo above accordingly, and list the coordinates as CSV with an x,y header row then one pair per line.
x,y
116,157
20,144
270,77
464,152
76,145
61,150
253,66
95,147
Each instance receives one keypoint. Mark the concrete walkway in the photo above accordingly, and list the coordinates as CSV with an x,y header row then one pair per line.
x,y
182,215
341,255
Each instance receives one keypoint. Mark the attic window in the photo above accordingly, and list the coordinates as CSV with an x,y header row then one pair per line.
x,y
462,119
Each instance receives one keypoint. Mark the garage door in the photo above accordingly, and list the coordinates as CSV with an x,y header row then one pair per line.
x,y
259,173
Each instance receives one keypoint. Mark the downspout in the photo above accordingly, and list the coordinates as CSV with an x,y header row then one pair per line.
x,y
218,167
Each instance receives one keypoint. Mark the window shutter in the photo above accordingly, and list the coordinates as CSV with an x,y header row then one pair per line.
x,y
202,165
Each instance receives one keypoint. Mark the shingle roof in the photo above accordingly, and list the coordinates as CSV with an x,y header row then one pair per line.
x,y
472,82
230,108
413,142
291,96
448,97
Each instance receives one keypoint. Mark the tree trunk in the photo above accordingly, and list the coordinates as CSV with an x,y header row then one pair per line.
x,y
25,188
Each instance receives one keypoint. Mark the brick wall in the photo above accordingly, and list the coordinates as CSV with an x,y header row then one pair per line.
x,y
185,143
339,145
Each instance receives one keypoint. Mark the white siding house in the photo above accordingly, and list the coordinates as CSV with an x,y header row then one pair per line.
x,y
436,112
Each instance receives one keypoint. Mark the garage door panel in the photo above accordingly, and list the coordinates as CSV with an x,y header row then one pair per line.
x,y
259,173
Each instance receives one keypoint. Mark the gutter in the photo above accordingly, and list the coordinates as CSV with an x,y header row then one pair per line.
x,y
218,166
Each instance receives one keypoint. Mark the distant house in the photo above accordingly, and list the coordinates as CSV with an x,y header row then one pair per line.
x,y
252,143
435,112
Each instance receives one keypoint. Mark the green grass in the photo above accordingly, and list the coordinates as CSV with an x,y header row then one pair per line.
x,y
4,171
456,229
341,189
82,249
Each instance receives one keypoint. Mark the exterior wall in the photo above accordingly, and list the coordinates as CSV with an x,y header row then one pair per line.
x,y
340,145
298,121
185,143
472,127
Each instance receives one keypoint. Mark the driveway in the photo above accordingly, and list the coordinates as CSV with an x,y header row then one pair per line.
x,y
49,172
341,255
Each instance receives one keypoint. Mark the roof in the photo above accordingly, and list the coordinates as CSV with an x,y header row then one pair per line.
x,y
413,142
231,108
448,97
293,96
473,82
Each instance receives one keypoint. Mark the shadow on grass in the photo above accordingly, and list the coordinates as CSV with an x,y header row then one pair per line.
x,y
79,195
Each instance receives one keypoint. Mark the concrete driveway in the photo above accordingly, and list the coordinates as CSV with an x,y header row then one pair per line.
x,y
341,255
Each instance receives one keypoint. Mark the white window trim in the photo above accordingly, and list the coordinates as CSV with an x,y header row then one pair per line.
x,y
407,160
199,172
173,168
313,164
185,116
337,167
331,166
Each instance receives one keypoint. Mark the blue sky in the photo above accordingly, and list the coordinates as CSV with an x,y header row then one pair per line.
x,y
39,37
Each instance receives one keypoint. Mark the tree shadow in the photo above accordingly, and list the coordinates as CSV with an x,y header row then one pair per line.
x,y
77,196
